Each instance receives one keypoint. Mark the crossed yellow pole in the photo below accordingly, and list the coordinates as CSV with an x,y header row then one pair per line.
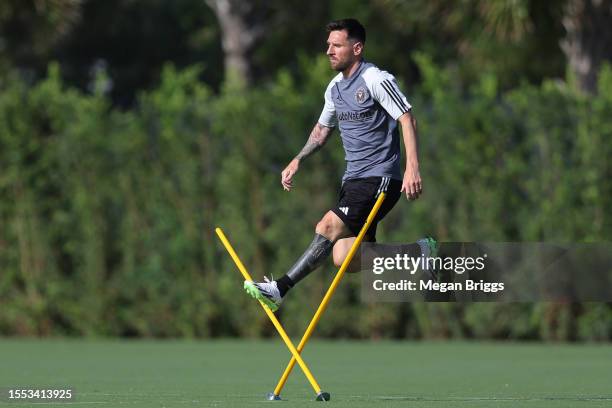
x,y
279,327
321,395
330,292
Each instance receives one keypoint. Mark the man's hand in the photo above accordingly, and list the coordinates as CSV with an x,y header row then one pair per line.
x,y
287,174
412,178
412,184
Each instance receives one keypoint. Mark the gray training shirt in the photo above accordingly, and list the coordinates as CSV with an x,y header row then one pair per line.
x,y
366,107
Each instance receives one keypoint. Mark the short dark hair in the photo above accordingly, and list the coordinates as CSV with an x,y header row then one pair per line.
x,y
354,29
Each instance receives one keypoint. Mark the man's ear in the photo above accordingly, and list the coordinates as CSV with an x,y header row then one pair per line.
x,y
357,48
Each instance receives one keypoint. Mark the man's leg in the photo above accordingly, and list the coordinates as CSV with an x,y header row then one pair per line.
x,y
423,247
341,250
328,230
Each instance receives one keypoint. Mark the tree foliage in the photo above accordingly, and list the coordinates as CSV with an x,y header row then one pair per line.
x,y
107,215
116,166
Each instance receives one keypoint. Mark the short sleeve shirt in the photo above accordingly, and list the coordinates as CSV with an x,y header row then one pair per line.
x,y
366,107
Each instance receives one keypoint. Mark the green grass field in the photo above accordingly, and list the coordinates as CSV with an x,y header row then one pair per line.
x,y
357,374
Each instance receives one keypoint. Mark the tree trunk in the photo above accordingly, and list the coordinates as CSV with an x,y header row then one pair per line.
x,y
588,40
241,28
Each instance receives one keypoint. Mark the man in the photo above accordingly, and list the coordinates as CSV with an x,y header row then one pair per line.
x,y
366,104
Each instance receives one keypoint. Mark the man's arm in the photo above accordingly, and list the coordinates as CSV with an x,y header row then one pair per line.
x,y
316,140
385,91
411,184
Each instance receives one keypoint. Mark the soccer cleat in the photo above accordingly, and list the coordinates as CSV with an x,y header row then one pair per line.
x,y
266,292
429,249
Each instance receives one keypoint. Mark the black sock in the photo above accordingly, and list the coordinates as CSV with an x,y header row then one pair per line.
x,y
284,284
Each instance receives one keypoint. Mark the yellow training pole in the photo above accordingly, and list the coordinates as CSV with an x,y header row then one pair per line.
x,y
279,328
330,292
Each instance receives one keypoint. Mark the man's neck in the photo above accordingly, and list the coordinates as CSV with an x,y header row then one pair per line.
x,y
351,70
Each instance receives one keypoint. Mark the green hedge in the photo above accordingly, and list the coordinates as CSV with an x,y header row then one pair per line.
x,y
107,216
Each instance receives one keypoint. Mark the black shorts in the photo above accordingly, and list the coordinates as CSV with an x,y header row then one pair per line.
x,y
357,197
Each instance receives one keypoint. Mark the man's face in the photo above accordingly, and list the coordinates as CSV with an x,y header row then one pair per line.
x,y
342,51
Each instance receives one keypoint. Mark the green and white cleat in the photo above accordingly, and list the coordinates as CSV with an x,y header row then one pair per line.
x,y
429,247
266,292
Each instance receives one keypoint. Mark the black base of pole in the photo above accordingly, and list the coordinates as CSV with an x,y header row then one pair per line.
x,y
273,397
323,396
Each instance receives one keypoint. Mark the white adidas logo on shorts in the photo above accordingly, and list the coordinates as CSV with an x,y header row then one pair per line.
x,y
344,210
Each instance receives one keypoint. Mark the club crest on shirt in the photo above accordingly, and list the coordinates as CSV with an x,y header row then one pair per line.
x,y
361,95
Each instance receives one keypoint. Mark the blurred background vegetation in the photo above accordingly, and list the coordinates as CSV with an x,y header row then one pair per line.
x,y
129,129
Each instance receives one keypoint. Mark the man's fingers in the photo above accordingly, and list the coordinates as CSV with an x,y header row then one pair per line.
x,y
286,178
287,175
408,193
413,190
406,189
286,182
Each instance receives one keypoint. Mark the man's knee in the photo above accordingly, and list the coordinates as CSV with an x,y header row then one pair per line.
x,y
338,259
330,226
341,250
353,267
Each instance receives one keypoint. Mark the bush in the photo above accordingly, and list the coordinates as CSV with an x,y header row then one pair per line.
x,y
108,216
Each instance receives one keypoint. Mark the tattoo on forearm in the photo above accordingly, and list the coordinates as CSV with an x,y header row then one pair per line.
x,y
316,140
